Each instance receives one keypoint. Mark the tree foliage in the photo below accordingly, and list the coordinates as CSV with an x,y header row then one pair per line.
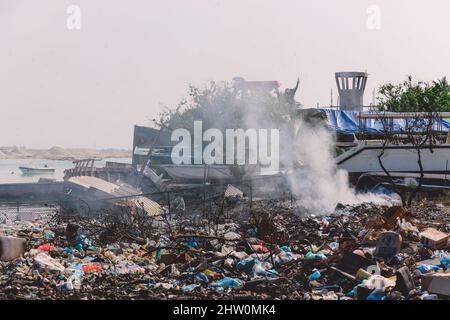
x,y
412,96
220,105
423,103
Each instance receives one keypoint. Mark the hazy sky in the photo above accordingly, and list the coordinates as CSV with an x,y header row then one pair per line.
x,y
88,87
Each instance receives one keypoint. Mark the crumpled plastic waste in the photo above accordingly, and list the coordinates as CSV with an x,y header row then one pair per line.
x,y
315,256
379,282
162,266
49,235
264,269
314,276
232,236
92,268
192,243
226,283
259,248
444,259
334,246
246,265
202,278
129,268
252,232
408,227
46,262
425,268
212,274
285,257
46,247
189,288
427,296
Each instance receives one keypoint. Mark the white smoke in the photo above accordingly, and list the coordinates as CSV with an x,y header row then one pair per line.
x,y
316,182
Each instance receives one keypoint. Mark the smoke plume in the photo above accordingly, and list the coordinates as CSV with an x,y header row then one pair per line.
x,y
316,181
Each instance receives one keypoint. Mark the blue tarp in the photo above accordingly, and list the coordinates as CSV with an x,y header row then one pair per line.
x,y
348,122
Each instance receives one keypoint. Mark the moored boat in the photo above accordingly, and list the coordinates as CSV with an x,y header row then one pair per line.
x,y
36,170
396,158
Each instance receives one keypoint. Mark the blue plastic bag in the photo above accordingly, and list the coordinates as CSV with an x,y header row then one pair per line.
x,y
314,276
202,278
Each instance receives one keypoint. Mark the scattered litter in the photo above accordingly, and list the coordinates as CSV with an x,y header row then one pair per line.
x,y
366,252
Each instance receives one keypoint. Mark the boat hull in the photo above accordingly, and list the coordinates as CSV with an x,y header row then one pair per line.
x,y
36,171
402,158
197,172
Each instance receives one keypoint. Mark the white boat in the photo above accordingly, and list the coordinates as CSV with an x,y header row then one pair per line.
x,y
397,158
36,170
198,173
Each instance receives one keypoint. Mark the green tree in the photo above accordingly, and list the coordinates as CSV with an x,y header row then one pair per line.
x,y
220,105
423,103
412,96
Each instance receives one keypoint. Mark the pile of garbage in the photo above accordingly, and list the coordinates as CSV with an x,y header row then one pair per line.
x,y
363,252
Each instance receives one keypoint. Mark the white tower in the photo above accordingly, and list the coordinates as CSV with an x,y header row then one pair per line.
x,y
351,87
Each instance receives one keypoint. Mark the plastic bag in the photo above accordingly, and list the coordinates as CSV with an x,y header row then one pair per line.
x,y
315,256
189,288
314,276
226,283
260,248
46,247
264,270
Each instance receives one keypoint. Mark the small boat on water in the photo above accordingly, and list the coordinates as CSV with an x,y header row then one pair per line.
x,y
36,170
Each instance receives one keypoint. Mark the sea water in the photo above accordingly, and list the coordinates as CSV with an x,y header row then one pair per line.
x,y
10,172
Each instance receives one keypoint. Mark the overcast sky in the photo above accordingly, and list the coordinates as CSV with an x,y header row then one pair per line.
x,y
88,87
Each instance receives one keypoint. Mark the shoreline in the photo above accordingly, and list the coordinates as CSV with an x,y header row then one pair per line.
x,y
62,154
118,156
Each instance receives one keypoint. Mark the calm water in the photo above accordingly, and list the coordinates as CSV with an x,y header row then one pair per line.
x,y
10,172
